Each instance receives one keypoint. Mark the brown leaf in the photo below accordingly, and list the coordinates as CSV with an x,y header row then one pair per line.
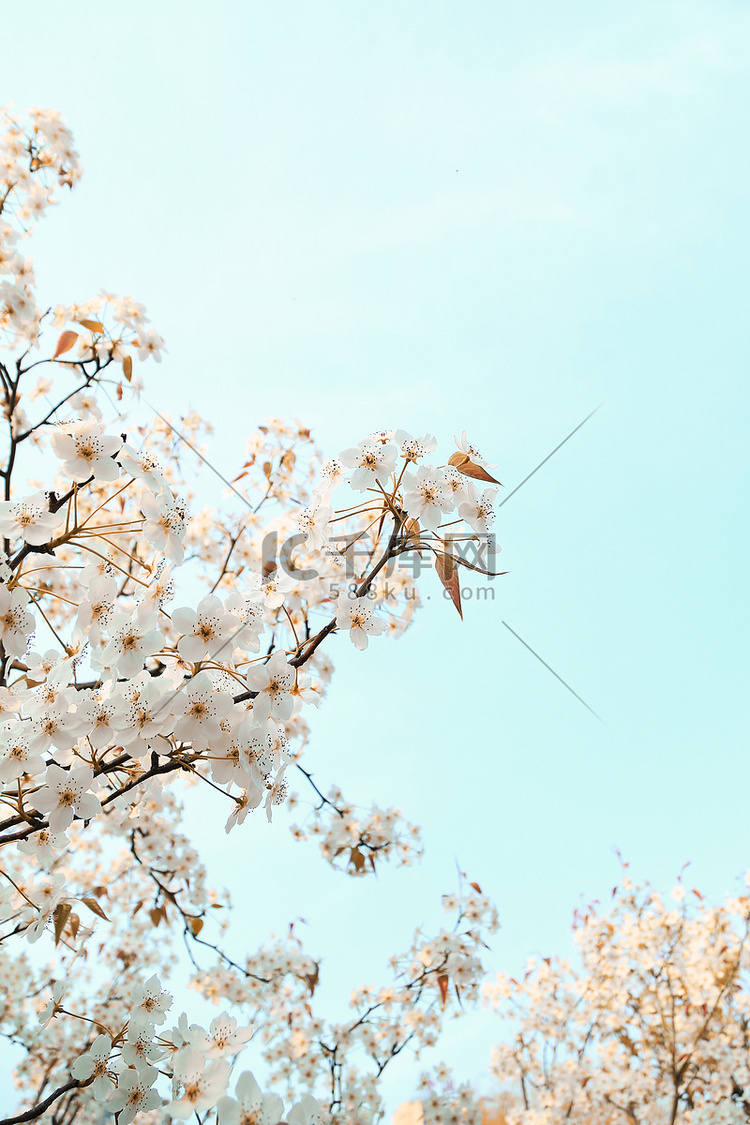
x,y
60,916
65,343
95,908
196,925
412,532
127,367
443,982
267,469
92,325
155,914
74,922
458,459
469,469
448,574
357,859
476,887
313,978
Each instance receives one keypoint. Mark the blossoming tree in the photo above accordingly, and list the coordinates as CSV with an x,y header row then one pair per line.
x,y
651,1028
144,648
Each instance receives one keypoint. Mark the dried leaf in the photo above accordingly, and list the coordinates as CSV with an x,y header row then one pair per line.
x,y
60,917
95,908
127,367
443,982
447,571
412,532
313,978
458,459
469,469
476,887
196,925
479,569
356,859
74,922
92,325
155,914
65,343
267,469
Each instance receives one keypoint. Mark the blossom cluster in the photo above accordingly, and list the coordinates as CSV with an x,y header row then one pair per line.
x,y
357,839
431,980
149,643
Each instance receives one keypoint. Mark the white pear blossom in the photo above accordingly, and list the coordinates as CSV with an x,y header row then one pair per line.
x,y
464,446
166,521
208,630
150,1003
413,448
135,1093
224,1037
200,1085
200,711
331,476
16,623
93,1065
96,611
371,461
53,1005
150,345
357,615
313,523
478,510
273,682
426,497
65,794
142,466
250,1104
132,640
17,757
86,450
30,519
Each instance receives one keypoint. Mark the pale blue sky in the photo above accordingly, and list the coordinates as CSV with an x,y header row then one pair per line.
x,y
443,215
